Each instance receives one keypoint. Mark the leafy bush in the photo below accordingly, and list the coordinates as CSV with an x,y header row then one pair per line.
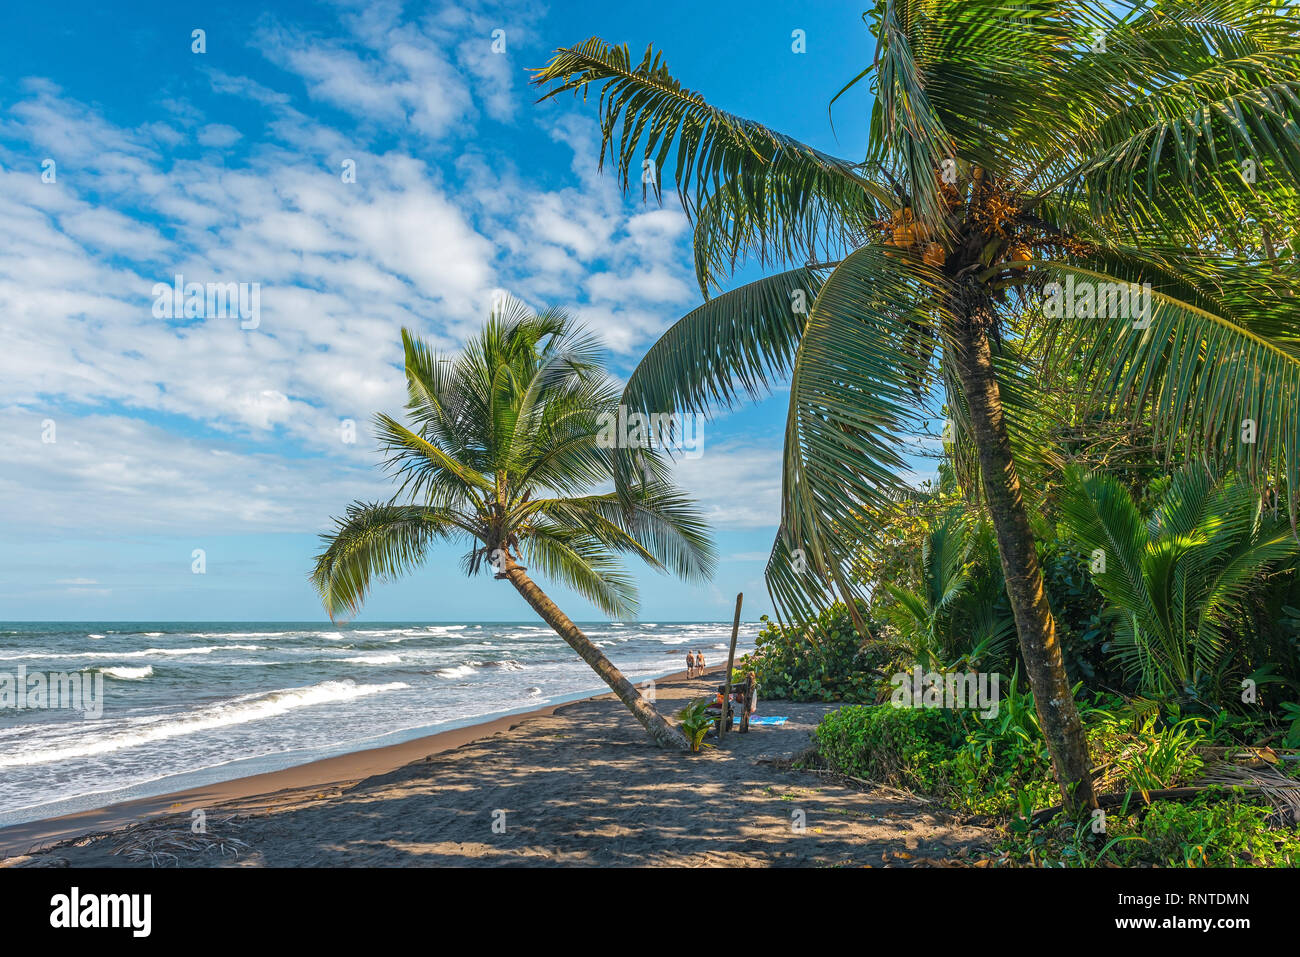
x,y
898,746
930,751
957,613
1145,753
1214,830
1078,609
695,722
821,661
1000,766
1177,583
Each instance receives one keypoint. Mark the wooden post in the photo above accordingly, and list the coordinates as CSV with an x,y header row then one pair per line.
x,y
731,657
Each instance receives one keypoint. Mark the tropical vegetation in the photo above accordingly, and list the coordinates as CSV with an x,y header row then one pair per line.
x,y
1064,206
501,451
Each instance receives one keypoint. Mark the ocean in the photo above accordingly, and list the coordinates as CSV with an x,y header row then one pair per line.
x,y
190,703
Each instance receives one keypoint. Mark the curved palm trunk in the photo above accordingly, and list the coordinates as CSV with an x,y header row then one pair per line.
x,y
1066,742
665,734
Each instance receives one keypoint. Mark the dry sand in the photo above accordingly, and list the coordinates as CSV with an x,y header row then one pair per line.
x,y
577,784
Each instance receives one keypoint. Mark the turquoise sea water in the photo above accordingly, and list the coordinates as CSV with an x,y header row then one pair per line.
x,y
195,702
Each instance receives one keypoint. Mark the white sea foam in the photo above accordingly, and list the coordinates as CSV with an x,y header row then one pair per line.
x,y
147,653
238,710
242,634
128,674
373,659
460,671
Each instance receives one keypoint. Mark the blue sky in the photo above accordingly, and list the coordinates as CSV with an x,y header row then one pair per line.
x,y
225,166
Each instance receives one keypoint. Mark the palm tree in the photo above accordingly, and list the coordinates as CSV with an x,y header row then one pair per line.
x,y
503,449
1011,145
1175,585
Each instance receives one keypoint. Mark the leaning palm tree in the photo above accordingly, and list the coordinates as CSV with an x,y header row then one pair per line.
x,y
1012,145
505,448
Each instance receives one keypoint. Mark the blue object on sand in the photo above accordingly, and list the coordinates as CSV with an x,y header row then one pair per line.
x,y
766,720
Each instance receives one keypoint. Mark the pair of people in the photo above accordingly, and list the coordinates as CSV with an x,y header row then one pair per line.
x,y
694,664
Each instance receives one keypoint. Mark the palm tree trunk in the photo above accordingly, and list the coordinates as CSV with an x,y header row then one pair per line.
x,y
665,734
1066,742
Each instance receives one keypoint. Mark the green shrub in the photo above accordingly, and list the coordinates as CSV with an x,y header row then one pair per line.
x,y
695,722
823,660
903,747
1000,766
1146,754
1210,831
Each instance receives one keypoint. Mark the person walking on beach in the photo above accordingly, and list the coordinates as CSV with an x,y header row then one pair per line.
x,y
699,662
690,664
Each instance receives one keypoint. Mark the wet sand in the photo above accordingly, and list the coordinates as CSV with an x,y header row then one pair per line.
x,y
572,784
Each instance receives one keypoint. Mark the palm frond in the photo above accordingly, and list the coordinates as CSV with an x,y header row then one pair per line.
x,y
740,340
377,542
648,118
1216,368
852,399
585,565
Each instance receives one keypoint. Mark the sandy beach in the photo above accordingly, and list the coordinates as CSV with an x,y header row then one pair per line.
x,y
573,784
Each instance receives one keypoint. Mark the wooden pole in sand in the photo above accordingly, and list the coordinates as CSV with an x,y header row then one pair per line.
x,y
731,657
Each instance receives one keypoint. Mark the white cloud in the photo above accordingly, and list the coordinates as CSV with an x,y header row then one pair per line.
x,y
105,473
219,136
426,76
737,485
341,268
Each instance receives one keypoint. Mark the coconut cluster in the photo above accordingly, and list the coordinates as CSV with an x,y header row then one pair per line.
x,y
991,206
996,212
905,231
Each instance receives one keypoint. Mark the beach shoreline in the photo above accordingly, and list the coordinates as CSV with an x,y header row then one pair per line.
x,y
576,783
276,786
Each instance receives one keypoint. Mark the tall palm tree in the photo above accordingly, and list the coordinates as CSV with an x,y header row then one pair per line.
x,y
1011,144
504,447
